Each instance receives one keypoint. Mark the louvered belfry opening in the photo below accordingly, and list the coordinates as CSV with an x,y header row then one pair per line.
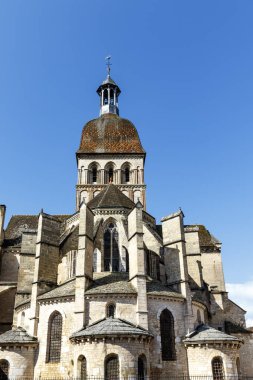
x,y
112,368
111,249
4,369
54,338
167,335
217,368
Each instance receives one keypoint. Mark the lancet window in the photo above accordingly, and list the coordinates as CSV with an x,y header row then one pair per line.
x,y
110,310
54,337
4,369
167,335
82,367
111,249
112,368
217,368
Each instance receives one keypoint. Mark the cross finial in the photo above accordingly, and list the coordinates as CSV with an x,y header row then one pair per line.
x,y
108,64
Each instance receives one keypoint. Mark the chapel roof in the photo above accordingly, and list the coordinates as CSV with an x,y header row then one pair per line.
x,y
111,197
108,327
17,335
110,133
205,333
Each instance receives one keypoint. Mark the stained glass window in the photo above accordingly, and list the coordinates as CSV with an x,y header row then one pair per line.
x,y
54,338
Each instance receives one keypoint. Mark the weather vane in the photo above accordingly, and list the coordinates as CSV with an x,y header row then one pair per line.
x,y
108,64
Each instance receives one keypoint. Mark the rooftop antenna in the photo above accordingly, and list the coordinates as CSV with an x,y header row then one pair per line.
x,y
108,64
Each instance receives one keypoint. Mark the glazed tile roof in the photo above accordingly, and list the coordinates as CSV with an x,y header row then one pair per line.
x,y
111,197
157,288
18,335
106,282
205,333
110,134
111,327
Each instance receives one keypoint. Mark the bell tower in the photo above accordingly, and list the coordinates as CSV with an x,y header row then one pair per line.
x,y
108,92
110,151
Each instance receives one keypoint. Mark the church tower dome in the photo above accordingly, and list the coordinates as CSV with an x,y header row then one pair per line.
x,y
110,151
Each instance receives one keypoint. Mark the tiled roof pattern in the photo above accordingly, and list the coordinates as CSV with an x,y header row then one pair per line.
x,y
18,335
111,327
205,333
67,289
111,197
157,288
110,134
113,283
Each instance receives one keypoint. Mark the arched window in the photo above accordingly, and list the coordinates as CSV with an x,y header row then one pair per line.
x,y
4,369
112,368
22,321
124,260
238,367
110,174
54,337
167,335
198,317
111,249
94,174
110,310
142,367
217,368
82,368
105,96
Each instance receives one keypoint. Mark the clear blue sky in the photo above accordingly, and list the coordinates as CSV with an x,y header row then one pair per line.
x,y
185,71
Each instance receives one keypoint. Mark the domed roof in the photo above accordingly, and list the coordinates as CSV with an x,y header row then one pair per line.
x,y
110,134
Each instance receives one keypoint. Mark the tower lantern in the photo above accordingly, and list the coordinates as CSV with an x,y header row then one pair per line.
x,y
108,92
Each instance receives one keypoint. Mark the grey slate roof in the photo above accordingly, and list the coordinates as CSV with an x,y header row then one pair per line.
x,y
157,288
106,282
66,289
111,197
111,327
205,333
18,335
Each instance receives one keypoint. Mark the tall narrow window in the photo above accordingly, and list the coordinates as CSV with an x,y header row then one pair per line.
x,y
71,264
94,175
54,337
110,174
167,335
111,249
141,367
127,174
112,368
217,368
4,369
110,310
82,367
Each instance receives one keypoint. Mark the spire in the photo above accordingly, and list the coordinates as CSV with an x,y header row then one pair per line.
x,y
108,92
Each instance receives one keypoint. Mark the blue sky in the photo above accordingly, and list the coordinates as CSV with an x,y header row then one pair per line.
x,y
185,71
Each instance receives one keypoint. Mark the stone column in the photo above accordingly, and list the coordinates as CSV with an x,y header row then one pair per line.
x,y
46,263
137,263
84,262
102,179
175,257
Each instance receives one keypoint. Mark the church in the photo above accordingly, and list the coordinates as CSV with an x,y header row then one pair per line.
x,y
108,292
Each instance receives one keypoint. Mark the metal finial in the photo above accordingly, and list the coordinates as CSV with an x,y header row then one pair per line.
x,y
108,64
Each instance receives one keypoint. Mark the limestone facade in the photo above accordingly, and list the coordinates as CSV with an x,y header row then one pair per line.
x,y
109,292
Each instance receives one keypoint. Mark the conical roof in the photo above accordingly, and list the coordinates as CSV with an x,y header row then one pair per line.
x,y
111,197
109,327
205,333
